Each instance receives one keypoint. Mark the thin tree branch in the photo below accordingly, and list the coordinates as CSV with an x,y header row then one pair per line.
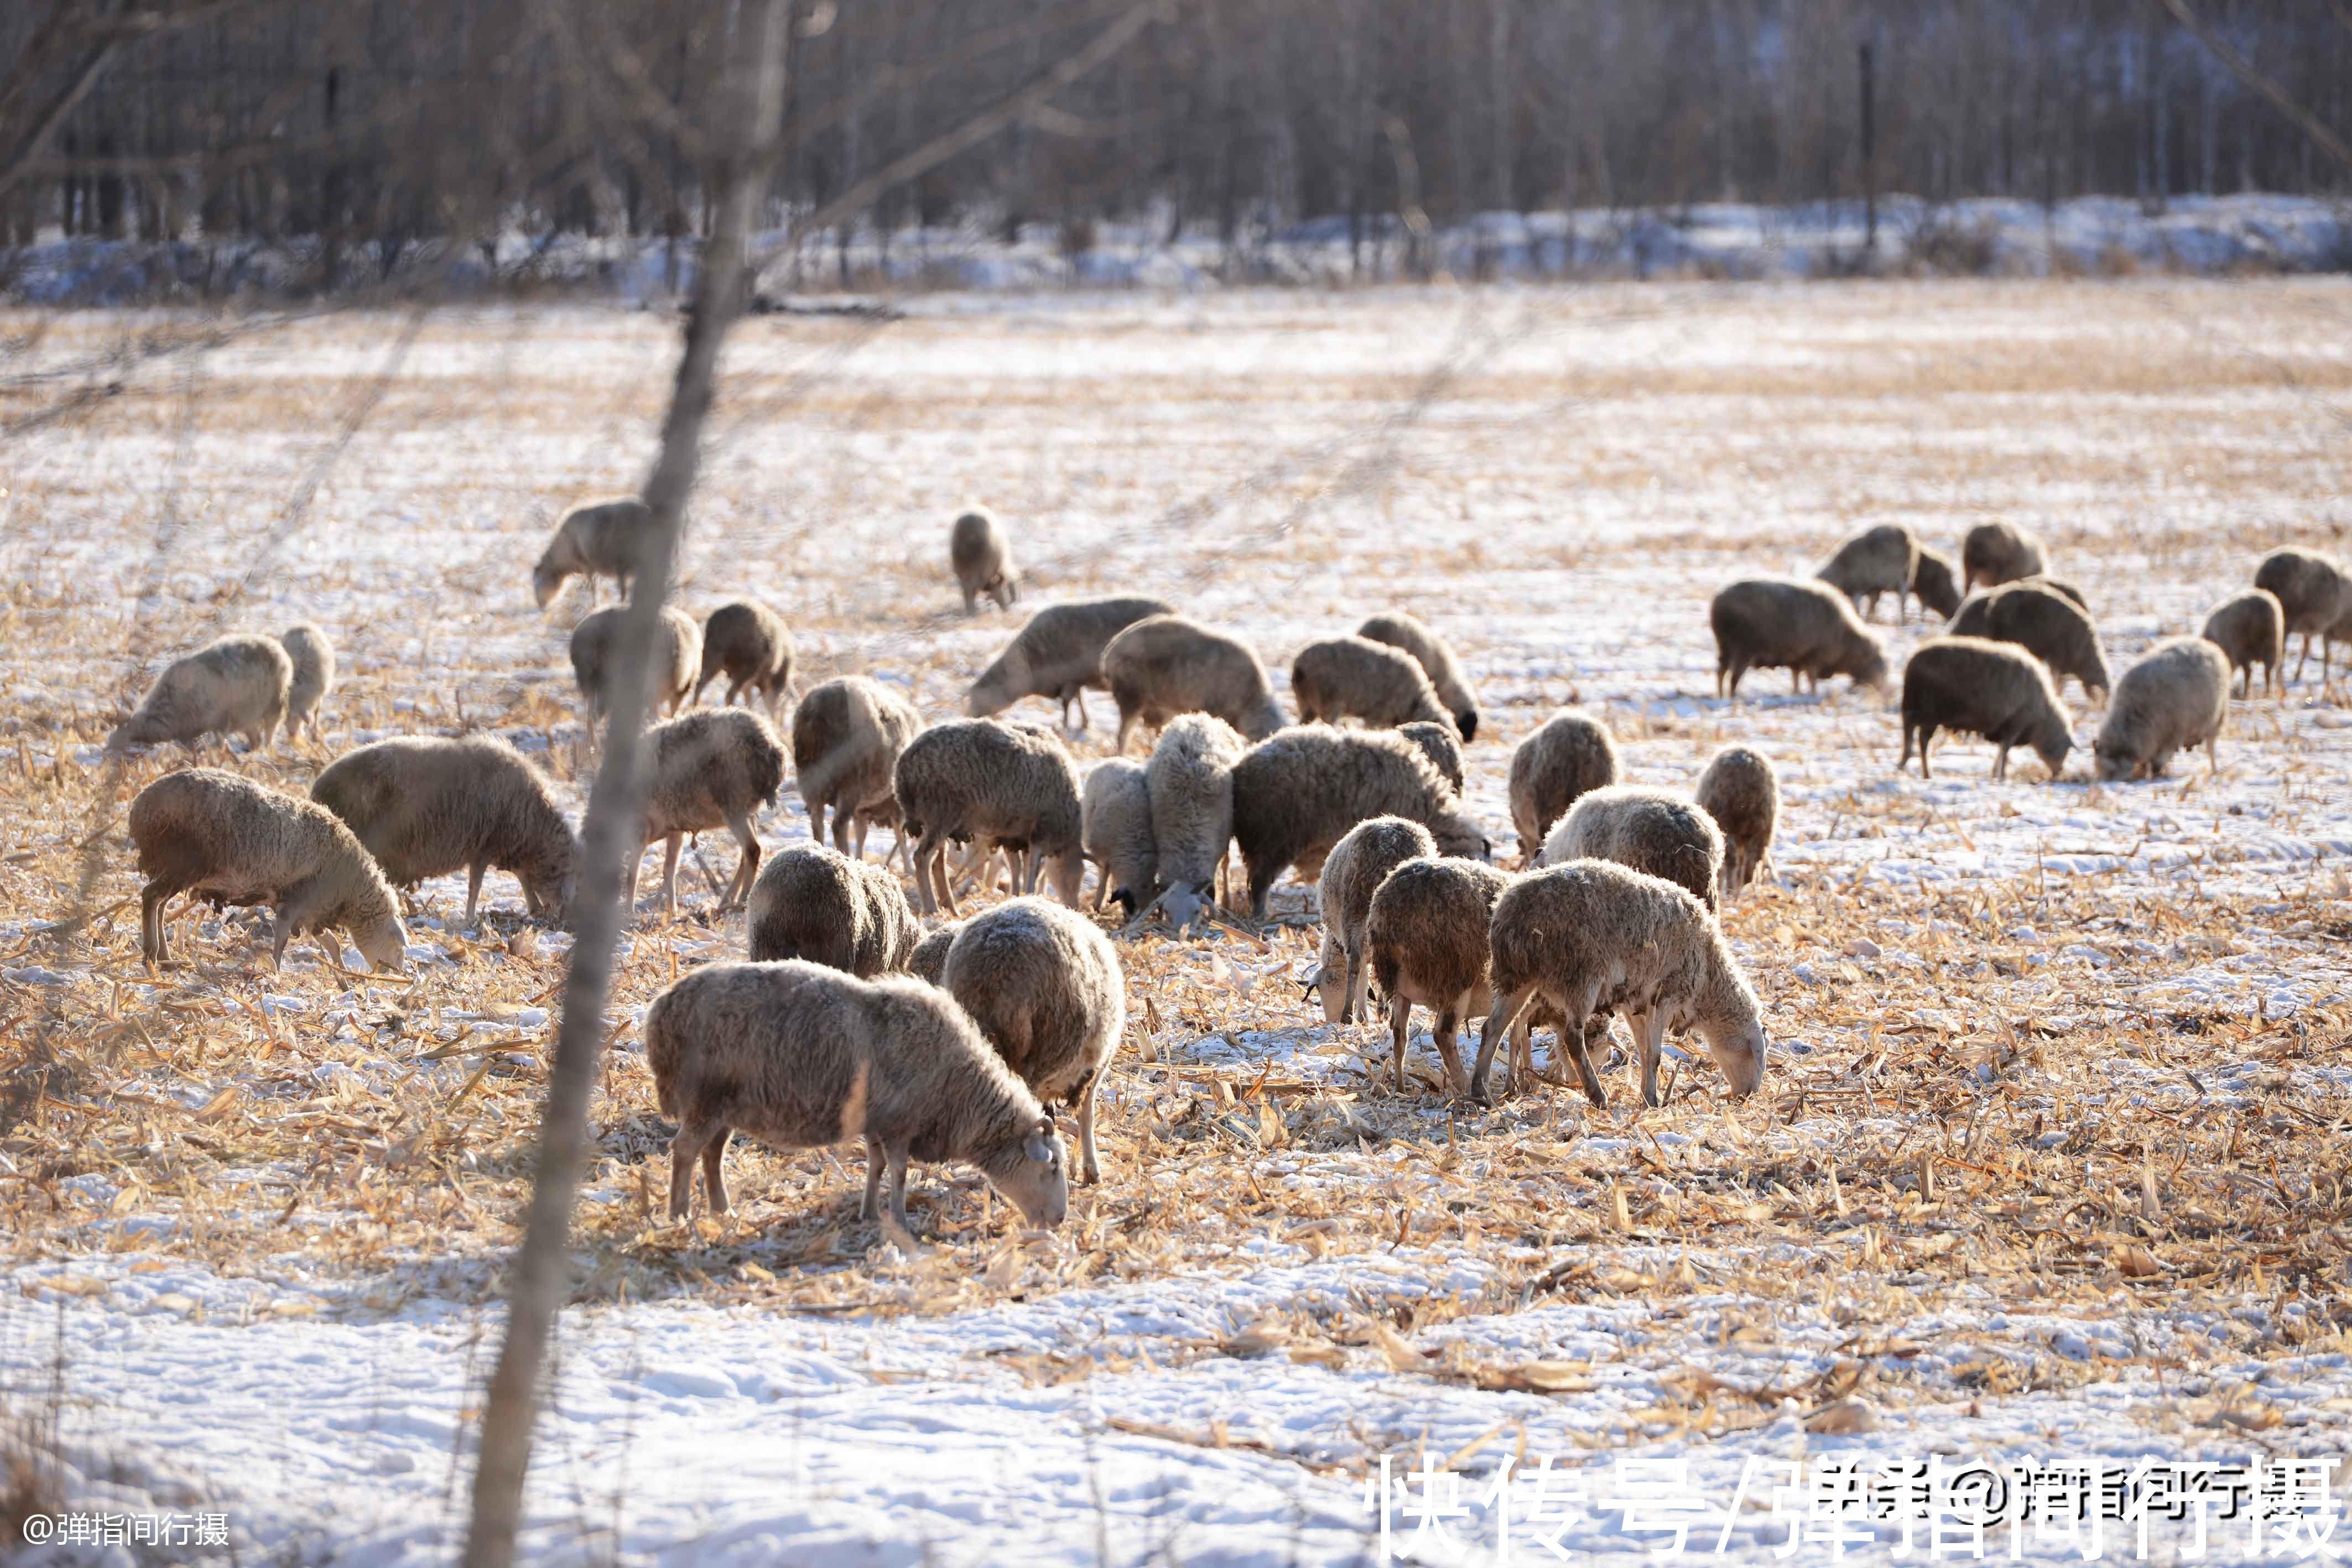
x,y
2246,71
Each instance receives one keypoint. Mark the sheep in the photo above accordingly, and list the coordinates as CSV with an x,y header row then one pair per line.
x,y
1594,937
1438,743
2044,622
1166,665
313,657
846,736
209,832
1058,653
712,768
1426,929
979,779
677,655
1351,874
1934,583
1355,677
2176,697
2250,626
424,806
1190,779
1573,755
1398,630
1115,814
1875,562
1740,791
1648,830
238,686
1300,791
815,903
750,645
1044,984
594,539
1995,553
802,1057
982,560
929,961
1997,690
2314,592
1805,628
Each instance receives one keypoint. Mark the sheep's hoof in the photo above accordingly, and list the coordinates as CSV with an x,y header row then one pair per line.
x,y
1483,1094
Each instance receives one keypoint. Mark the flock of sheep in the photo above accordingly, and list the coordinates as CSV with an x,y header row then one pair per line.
x,y
848,1019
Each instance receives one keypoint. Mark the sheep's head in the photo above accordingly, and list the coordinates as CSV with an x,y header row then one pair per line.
x,y
1868,665
1739,1048
2116,762
1186,904
384,945
1466,721
1329,977
546,581
1068,872
1034,1175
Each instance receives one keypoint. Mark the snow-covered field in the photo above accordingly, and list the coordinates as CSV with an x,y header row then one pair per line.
x,y
2050,1167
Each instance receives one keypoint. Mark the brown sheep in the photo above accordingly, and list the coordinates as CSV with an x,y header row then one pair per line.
x,y
2250,626
1997,690
1806,628
1573,755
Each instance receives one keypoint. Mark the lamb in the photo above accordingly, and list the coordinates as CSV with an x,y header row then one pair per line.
x,y
1437,742
1166,665
817,904
750,645
1934,583
847,736
1996,690
1648,830
1427,932
1573,755
2314,592
423,806
2176,697
1355,677
1043,986
1875,562
2250,626
1594,937
238,686
979,779
1436,657
1190,779
1057,654
594,539
1739,791
210,833
1298,792
929,961
676,654
982,560
1805,628
2044,622
802,1057
1115,814
1995,553
313,656
710,769
1353,872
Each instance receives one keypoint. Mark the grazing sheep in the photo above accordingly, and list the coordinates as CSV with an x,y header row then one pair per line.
x,y
710,769
1044,984
1298,792
1995,553
1934,583
424,806
676,654
232,840
802,1057
1166,665
1997,690
1875,562
812,902
2176,697
1115,813
1190,781
1438,743
1782,623
1427,929
2251,628
594,539
1351,873
313,656
982,560
237,686
847,736
1647,829
1572,756
2042,621
1355,677
1739,791
2314,592
1398,630
750,645
929,961
1593,936
985,781
1057,654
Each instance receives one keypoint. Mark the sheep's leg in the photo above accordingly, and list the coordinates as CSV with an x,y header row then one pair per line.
x,y
1796,682
876,1163
281,931
2000,763
474,889
816,825
636,864
1400,1035
1092,1166
1650,1032
2306,659
151,899
1449,1049
1505,1012
1102,883
922,867
1571,1036
684,1150
898,1161
947,884
714,1182
669,872
1127,719
1927,739
748,868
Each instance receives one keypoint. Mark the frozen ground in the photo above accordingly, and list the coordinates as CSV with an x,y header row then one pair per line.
x,y
2051,1166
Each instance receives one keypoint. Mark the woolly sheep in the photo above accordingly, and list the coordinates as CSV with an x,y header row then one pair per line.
x,y
750,645
1593,936
1875,562
594,539
1997,690
1739,791
236,685
1935,583
1167,665
847,736
1995,553
982,560
1057,654
1805,628
676,654
228,839
1573,755
2250,626
929,961
812,902
1353,872
799,1056
710,769
424,806
1190,779
313,657
2042,621
1439,743
1647,829
2314,592
1426,930
2176,697
1436,657
1115,812
982,779
1301,790
1355,677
